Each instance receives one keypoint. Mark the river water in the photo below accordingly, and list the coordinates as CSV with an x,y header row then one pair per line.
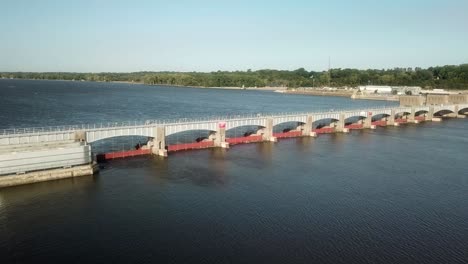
x,y
391,195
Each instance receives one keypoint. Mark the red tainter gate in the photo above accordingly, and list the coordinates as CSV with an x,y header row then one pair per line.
x,y
325,130
195,145
288,134
122,154
379,123
354,126
401,120
242,140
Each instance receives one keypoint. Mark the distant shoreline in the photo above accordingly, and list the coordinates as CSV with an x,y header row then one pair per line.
x,y
167,85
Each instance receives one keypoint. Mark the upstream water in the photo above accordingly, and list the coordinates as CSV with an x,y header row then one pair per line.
x,y
391,195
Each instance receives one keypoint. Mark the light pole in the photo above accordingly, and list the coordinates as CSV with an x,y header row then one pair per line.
x,y
313,81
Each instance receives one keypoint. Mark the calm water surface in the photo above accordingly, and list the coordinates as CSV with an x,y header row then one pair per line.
x,y
392,195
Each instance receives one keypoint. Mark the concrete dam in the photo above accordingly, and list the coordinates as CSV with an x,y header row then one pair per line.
x,y
29,155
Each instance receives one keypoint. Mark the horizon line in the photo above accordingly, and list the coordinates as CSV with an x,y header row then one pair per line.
x,y
247,70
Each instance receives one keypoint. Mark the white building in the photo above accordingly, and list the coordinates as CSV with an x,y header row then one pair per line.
x,y
375,89
382,89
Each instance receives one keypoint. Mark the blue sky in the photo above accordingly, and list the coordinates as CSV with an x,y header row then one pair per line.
x,y
152,35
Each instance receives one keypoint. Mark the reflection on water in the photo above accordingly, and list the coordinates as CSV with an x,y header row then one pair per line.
x,y
26,194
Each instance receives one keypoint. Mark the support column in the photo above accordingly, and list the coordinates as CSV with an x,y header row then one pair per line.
x,y
268,131
430,113
368,121
307,131
458,115
412,115
340,125
220,137
391,118
158,143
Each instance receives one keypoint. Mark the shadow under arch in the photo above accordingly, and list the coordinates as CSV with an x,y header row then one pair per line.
x,y
243,131
287,126
118,143
443,112
322,123
463,111
379,117
401,114
421,112
189,136
354,119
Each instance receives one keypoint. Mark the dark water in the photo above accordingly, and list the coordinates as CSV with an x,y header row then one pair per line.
x,y
393,195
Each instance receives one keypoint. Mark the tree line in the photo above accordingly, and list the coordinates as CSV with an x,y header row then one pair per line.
x,y
447,77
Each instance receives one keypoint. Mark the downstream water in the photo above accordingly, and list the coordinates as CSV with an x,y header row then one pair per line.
x,y
391,195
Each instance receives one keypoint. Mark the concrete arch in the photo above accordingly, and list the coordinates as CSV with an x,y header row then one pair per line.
x,y
387,112
402,114
420,112
177,128
100,134
245,130
358,114
317,124
233,124
463,111
288,119
288,126
443,112
119,138
187,136
439,108
354,118
380,116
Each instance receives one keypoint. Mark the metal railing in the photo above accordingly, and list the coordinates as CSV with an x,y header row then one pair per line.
x,y
165,122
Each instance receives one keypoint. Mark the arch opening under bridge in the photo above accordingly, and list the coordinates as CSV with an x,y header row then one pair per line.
x,y
188,136
463,111
443,112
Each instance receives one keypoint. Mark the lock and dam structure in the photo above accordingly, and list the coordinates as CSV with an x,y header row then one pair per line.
x,y
29,155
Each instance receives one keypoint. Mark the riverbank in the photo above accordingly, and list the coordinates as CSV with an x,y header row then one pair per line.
x,y
267,88
48,175
344,93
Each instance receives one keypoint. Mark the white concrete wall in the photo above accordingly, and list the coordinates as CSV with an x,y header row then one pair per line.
x,y
43,158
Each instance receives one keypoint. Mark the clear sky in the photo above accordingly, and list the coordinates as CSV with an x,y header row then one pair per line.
x,y
198,35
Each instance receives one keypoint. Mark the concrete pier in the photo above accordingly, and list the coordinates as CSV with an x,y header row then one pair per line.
x,y
367,122
158,144
268,131
391,118
411,117
220,136
307,127
340,124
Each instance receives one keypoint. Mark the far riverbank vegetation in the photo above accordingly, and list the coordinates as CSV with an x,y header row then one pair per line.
x,y
447,77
